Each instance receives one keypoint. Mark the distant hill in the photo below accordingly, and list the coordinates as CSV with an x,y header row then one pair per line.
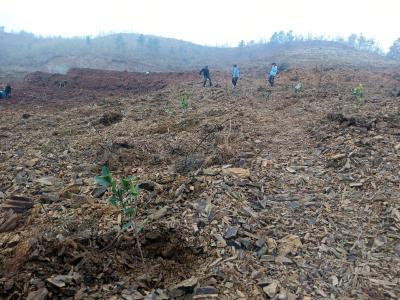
x,y
23,52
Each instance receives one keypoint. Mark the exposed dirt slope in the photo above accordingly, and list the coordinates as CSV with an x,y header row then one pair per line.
x,y
82,85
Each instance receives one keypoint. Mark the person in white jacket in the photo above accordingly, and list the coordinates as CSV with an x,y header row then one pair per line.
x,y
235,75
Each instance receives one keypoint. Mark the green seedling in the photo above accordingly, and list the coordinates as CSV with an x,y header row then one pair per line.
x,y
267,94
184,104
124,196
140,112
226,90
358,95
169,111
298,88
264,92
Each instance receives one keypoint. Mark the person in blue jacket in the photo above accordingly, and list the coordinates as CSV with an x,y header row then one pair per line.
x,y
272,74
235,75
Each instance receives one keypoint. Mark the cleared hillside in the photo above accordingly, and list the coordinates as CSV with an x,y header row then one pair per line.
x,y
255,194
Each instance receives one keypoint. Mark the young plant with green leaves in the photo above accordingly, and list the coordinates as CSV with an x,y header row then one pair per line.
x,y
298,88
169,111
124,196
358,95
286,87
226,89
140,112
184,104
265,92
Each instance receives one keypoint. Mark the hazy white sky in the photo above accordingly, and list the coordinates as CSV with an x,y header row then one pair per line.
x,y
205,21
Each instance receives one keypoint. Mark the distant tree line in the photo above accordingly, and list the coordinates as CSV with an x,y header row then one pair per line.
x,y
359,42
23,51
394,51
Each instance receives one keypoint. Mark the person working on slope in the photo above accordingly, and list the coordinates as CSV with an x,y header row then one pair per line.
x,y
206,75
272,74
235,75
6,93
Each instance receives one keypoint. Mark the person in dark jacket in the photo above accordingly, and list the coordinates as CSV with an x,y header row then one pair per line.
x,y
206,75
7,91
